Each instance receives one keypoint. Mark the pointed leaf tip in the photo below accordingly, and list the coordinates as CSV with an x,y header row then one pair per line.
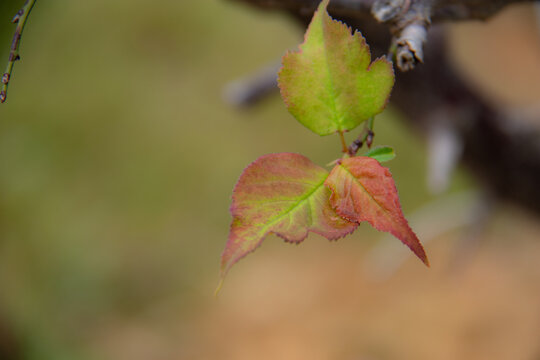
x,y
363,190
330,84
282,194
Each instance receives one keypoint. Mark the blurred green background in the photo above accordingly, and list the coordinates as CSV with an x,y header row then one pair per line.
x,y
117,160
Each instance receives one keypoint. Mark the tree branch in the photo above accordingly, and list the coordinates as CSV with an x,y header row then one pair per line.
x,y
407,20
19,19
440,10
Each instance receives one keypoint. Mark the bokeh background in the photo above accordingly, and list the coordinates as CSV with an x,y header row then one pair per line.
x,y
118,156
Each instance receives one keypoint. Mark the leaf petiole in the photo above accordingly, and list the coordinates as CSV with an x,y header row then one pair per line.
x,y
344,147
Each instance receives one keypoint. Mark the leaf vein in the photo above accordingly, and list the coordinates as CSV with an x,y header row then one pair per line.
x,y
288,211
385,211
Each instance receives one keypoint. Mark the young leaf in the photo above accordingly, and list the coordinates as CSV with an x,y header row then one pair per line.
x,y
282,194
381,153
330,85
363,190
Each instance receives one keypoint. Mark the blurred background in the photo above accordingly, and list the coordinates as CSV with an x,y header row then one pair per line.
x,y
118,156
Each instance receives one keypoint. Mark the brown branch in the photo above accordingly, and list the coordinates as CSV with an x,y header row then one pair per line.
x,y
407,20
452,10
19,19
441,10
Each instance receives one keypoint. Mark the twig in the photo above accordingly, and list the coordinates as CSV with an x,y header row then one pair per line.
x,y
408,22
410,46
19,19
365,137
253,88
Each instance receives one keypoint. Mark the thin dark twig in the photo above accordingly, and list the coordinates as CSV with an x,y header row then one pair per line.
x,y
19,19
365,137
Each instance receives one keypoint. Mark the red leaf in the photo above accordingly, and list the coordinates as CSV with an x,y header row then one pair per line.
x,y
282,194
363,190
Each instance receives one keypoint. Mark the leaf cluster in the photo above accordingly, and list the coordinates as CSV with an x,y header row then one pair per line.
x,y
330,86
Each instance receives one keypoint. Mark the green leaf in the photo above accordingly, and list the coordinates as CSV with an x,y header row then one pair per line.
x,y
282,194
330,85
363,190
381,153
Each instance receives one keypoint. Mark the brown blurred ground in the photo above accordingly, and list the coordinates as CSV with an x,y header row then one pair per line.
x,y
317,302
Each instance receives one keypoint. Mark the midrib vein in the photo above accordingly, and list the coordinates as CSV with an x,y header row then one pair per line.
x,y
302,199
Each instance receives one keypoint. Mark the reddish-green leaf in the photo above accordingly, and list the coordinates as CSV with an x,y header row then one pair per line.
x,y
282,194
363,190
330,85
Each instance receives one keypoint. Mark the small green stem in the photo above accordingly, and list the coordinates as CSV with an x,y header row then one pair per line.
x,y
370,123
20,19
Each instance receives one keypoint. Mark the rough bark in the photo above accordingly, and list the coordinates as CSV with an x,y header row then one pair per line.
x,y
407,20
441,10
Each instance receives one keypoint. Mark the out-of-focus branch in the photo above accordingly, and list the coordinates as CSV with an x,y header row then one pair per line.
x,y
440,10
19,19
252,88
407,20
